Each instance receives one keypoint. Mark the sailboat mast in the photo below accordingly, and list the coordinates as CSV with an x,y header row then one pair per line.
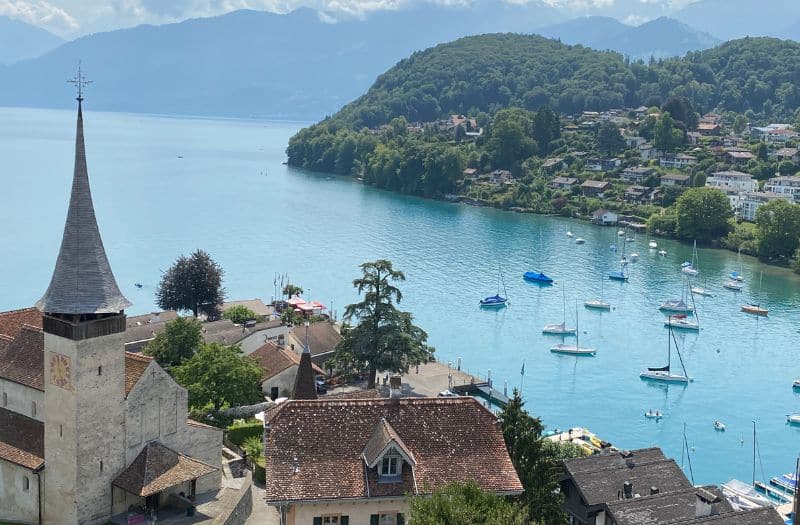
x,y
796,491
754,453
669,354
577,327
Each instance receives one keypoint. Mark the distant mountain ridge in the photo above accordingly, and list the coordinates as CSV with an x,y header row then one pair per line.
x,y
660,38
19,41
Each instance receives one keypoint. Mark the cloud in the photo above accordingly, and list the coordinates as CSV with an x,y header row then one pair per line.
x,y
39,13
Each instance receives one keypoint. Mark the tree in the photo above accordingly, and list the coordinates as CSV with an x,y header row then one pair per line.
x,y
538,461
384,338
609,139
239,314
739,124
546,128
778,229
762,152
178,341
682,111
702,214
666,136
192,283
218,376
291,290
460,503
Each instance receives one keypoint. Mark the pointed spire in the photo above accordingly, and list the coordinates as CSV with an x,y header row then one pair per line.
x,y
82,281
305,385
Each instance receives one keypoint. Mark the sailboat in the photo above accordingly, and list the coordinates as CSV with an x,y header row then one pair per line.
x,y
677,305
560,329
496,301
690,268
736,275
702,290
576,349
755,308
664,373
620,275
598,304
682,321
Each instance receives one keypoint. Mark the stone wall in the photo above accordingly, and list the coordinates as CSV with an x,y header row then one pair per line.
x,y
17,503
238,504
20,399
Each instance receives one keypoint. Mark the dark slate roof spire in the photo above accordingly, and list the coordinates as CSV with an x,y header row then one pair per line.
x,y
305,384
82,281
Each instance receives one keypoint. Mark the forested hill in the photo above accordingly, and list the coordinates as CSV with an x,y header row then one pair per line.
x,y
490,72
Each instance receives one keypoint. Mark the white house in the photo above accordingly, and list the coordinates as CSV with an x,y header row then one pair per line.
x,y
750,202
731,179
788,186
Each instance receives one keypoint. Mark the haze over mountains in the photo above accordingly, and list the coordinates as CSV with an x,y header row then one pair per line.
x,y
305,64
19,41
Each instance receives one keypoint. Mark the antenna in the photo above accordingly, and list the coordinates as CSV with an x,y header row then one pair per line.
x,y
80,82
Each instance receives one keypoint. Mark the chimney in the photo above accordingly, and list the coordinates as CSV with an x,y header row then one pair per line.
x,y
653,491
627,490
706,504
394,387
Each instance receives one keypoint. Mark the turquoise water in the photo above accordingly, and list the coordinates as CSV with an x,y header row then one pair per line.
x,y
152,206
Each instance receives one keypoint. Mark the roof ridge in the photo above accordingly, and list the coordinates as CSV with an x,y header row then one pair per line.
x,y
6,337
26,326
687,490
138,356
18,310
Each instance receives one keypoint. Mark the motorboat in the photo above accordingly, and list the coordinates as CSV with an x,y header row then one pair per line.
x,y
796,383
719,426
652,245
662,253
597,304
755,310
537,277
495,301
580,240
793,419
569,234
735,286
653,414
137,285
664,373
634,257
744,495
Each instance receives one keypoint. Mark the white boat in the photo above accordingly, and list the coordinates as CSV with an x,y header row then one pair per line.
x,y
621,233
662,253
744,495
651,414
576,349
793,419
690,268
733,285
664,373
634,257
569,234
796,383
719,426
560,329
580,240
652,245
598,304
705,292
682,322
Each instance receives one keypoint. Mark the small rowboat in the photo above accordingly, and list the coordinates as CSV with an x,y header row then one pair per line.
x,y
755,310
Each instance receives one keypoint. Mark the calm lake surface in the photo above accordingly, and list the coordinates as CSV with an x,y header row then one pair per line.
x,y
166,186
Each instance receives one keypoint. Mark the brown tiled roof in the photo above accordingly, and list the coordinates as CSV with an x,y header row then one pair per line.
x,y
22,360
21,440
601,478
158,468
451,439
322,337
135,365
382,437
11,322
371,393
305,385
274,360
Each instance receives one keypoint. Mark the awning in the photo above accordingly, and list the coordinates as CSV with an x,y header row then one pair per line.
x,y
158,468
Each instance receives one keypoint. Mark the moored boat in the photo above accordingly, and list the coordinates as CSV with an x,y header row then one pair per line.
x,y
705,292
580,240
562,328
793,419
719,426
653,414
755,310
664,374
569,349
537,277
796,383
652,245
495,301
682,322
733,285
662,253
744,494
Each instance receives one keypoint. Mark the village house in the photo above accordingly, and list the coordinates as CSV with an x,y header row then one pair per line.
x,y
648,152
596,164
604,217
638,194
731,179
88,430
354,461
739,158
710,118
470,174
774,133
280,368
693,137
595,188
749,202
708,128
501,177
678,161
636,174
788,185
553,165
675,179
643,487
563,183
634,141
782,154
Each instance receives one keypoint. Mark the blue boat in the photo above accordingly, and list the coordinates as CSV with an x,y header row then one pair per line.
x,y
618,276
537,277
495,301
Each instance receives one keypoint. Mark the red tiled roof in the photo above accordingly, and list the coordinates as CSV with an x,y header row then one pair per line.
x,y
451,439
21,440
11,322
382,436
274,360
22,359
158,468
135,365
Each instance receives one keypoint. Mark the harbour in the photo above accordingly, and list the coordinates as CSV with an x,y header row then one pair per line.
x,y
320,228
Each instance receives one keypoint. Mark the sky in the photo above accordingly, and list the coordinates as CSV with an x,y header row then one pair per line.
x,y
72,18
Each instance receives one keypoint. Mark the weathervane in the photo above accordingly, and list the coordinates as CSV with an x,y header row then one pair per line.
x,y
80,82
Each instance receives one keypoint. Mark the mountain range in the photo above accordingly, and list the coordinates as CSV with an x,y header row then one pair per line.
x,y
19,41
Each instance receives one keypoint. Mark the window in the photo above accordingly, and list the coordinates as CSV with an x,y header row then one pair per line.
x,y
26,484
33,408
60,430
387,518
99,370
101,465
5,399
332,519
389,466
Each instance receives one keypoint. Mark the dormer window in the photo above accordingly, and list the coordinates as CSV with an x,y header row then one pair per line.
x,y
385,454
389,466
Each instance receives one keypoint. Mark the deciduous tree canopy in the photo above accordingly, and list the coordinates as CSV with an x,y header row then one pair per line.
x,y
192,283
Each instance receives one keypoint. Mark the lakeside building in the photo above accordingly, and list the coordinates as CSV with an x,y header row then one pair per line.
x,y
788,186
750,202
643,487
731,179
355,460
88,430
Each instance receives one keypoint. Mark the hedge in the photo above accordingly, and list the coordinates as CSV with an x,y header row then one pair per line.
x,y
238,433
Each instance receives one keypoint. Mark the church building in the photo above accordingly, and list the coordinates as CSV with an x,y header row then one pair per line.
x,y
88,430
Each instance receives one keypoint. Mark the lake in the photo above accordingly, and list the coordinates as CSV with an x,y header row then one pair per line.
x,y
166,186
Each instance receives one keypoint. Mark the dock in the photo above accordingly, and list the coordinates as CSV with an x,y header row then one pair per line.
x,y
584,439
483,390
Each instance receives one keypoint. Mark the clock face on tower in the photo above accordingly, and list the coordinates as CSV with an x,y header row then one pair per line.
x,y
60,370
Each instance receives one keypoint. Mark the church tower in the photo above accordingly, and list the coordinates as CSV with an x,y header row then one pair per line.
x,y
84,364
